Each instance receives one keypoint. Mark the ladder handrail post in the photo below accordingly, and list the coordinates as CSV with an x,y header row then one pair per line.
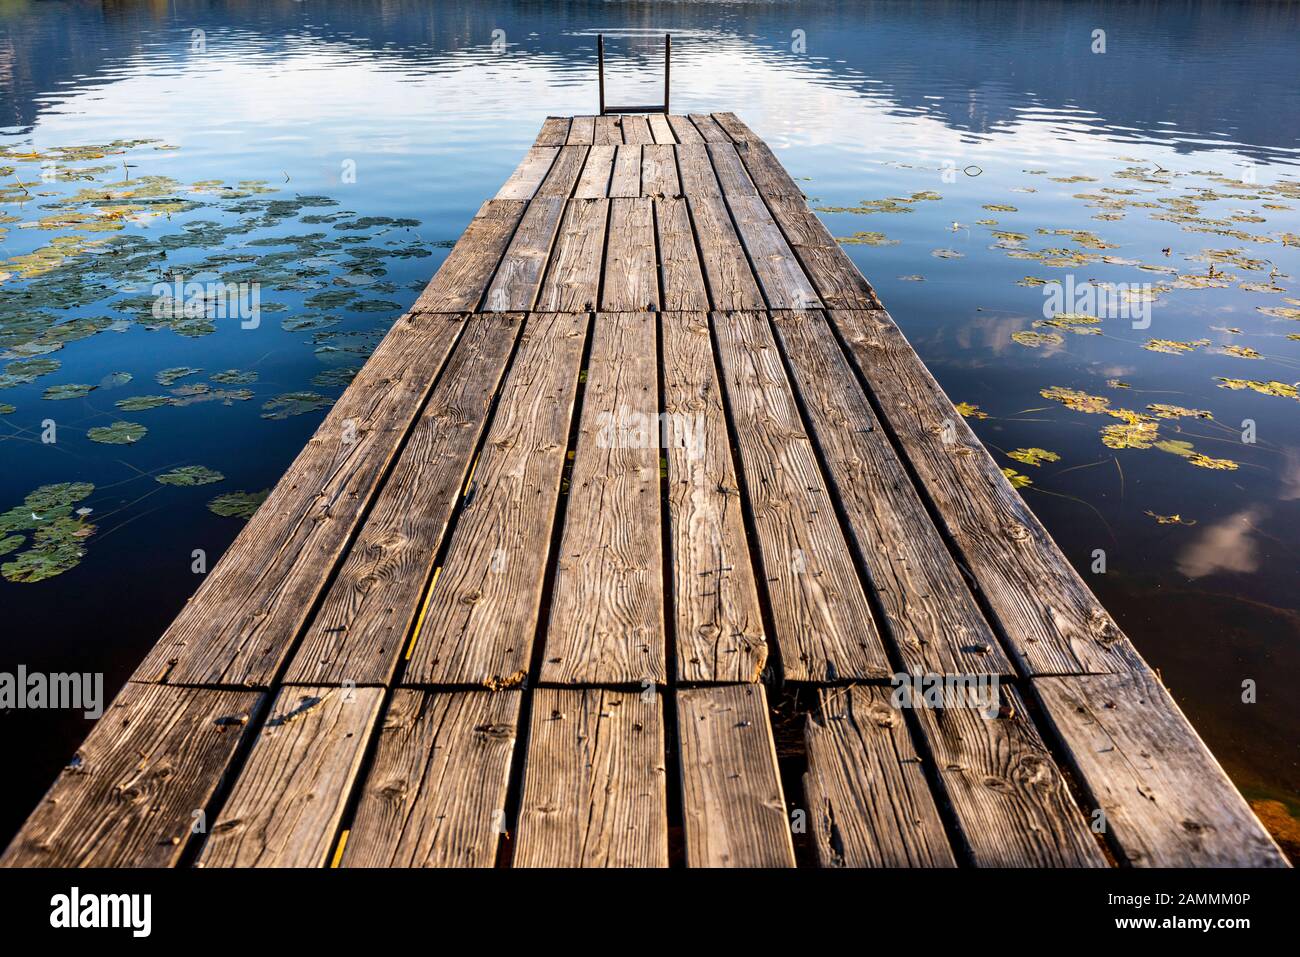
x,y
668,63
600,66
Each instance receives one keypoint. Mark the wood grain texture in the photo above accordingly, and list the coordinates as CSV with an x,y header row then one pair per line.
x,y
824,627
1052,622
735,127
732,805
659,171
554,132
436,793
582,131
934,621
661,129
563,176
463,277
1166,800
367,614
719,624
1011,803
523,182
594,792
784,284
607,604
680,276
726,267
285,808
868,800
519,276
572,282
636,129
709,129
631,281
609,129
684,129
626,180
593,183
481,617
129,796
242,622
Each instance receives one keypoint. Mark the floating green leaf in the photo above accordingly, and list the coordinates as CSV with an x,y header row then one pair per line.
x,y
190,475
238,504
119,433
294,403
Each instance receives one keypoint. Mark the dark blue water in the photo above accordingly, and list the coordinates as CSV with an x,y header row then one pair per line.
x,y
372,131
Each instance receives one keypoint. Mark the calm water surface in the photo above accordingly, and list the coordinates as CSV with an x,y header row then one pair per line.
x,y
335,150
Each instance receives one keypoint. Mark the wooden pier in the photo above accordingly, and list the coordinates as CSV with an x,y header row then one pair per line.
x,y
608,557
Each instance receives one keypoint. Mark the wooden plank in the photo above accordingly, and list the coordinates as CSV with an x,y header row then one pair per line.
x,y
555,130
730,171
766,171
779,273
129,796
596,173
564,174
519,276
436,793
459,283
684,129
659,171
1011,803
582,131
933,618
244,618
680,275
636,129
523,182
726,267
608,129
709,129
572,281
732,805
285,808
1166,801
661,129
868,799
627,172
631,279
481,617
607,605
824,625
1052,623
363,623
735,127
594,793
719,625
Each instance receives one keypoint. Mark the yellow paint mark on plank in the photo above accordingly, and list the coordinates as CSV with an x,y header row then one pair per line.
x,y
419,622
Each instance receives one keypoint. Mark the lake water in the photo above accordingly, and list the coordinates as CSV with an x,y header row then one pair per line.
x,y
332,152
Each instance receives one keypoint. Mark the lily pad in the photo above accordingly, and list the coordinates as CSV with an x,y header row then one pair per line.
x,y
171,376
67,390
119,433
1034,456
238,504
294,403
190,475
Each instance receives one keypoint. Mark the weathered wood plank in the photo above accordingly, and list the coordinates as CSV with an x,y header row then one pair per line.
x,y
636,129
631,282
824,626
768,174
933,618
528,175
129,797
594,784
285,808
555,131
363,623
659,171
564,174
520,274
735,127
596,173
627,172
1166,800
726,267
482,615
459,283
436,793
572,281
244,618
608,129
1052,622
779,273
684,129
1012,805
582,131
719,624
730,171
709,128
607,605
732,804
680,276
868,799
661,129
